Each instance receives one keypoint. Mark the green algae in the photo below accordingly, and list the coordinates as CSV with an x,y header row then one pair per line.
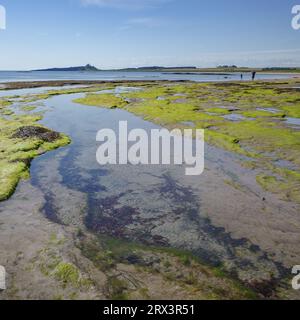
x,y
102,100
108,252
52,93
284,182
6,112
5,103
260,114
292,111
218,111
16,153
29,108
65,272
225,141
68,274
10,175
281,187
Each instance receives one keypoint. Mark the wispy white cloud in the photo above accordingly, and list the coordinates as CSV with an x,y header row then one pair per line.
x,y
126,4
258,58
144,22
263,58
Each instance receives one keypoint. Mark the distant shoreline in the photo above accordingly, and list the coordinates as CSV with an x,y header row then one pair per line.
x,y
117,76
162,71
170,70
61,83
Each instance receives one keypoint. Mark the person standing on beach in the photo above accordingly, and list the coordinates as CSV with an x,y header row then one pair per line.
x,y
253,75
242,76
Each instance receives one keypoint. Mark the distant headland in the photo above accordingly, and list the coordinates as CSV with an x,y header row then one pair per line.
x,y
184,69
87,67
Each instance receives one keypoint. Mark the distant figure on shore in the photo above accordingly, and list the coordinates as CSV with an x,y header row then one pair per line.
x,y
253,75
242,76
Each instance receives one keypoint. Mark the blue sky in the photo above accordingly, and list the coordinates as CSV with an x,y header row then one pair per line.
x,y
130,33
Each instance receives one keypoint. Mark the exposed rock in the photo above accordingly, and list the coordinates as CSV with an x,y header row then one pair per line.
x,y
36,132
